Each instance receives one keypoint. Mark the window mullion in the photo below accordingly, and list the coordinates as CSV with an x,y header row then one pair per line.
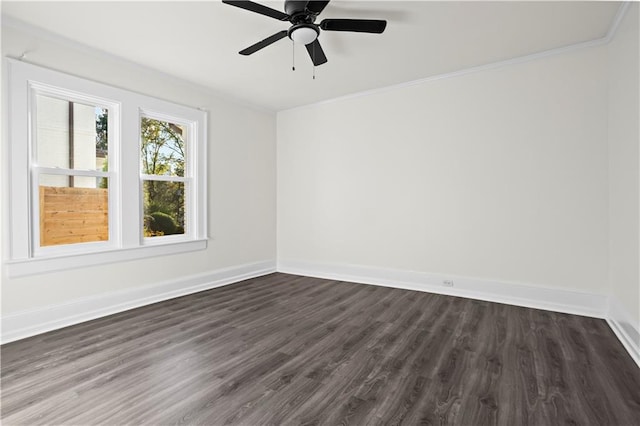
x,y
130,184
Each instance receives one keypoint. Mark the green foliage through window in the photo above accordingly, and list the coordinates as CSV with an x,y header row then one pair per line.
x,y
162,148
163,154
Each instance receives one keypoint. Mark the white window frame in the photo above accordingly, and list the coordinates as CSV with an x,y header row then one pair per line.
x,y
113,121
126,241
187,179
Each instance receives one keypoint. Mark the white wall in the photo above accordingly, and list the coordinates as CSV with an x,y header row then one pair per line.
x,y
624,178
241,183
499,174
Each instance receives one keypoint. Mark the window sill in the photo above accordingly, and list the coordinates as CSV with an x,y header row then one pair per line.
x,y
20,268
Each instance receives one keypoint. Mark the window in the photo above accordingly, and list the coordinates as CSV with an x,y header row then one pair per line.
x,y
70,191
165,175
82,190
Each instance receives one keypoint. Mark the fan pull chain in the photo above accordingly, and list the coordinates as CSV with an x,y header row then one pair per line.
x,y
293,56
314,60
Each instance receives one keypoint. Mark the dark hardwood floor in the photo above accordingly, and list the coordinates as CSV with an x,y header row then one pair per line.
x,y
284,349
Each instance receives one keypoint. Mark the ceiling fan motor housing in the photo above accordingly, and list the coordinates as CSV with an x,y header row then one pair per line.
x,y
293,8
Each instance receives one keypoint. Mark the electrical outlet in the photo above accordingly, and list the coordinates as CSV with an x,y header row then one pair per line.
x,y
447,283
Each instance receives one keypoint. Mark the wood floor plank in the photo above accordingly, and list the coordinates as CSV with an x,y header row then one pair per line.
x,y
284,349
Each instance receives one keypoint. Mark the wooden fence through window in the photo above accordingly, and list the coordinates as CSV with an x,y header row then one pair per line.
x,y
73,215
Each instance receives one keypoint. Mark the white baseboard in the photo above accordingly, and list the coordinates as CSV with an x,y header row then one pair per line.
x,y
627,331
551,299
537,297
24,324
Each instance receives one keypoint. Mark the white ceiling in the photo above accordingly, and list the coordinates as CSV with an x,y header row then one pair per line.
x,y
199,41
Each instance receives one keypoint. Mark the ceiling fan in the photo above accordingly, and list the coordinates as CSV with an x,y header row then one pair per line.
x,y
304,30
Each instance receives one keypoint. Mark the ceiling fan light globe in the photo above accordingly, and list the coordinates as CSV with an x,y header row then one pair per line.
x,y
304,35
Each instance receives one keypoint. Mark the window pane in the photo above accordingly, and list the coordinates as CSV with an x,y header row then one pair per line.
x,y
163,208
70,135
162,147
73,209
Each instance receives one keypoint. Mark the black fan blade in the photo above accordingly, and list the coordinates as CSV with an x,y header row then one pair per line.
x,y
258,8
317,54
316,7
354,25
264,43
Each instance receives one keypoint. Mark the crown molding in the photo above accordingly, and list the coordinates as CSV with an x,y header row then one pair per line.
x,y
613,29
17,24
39,32
622,10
